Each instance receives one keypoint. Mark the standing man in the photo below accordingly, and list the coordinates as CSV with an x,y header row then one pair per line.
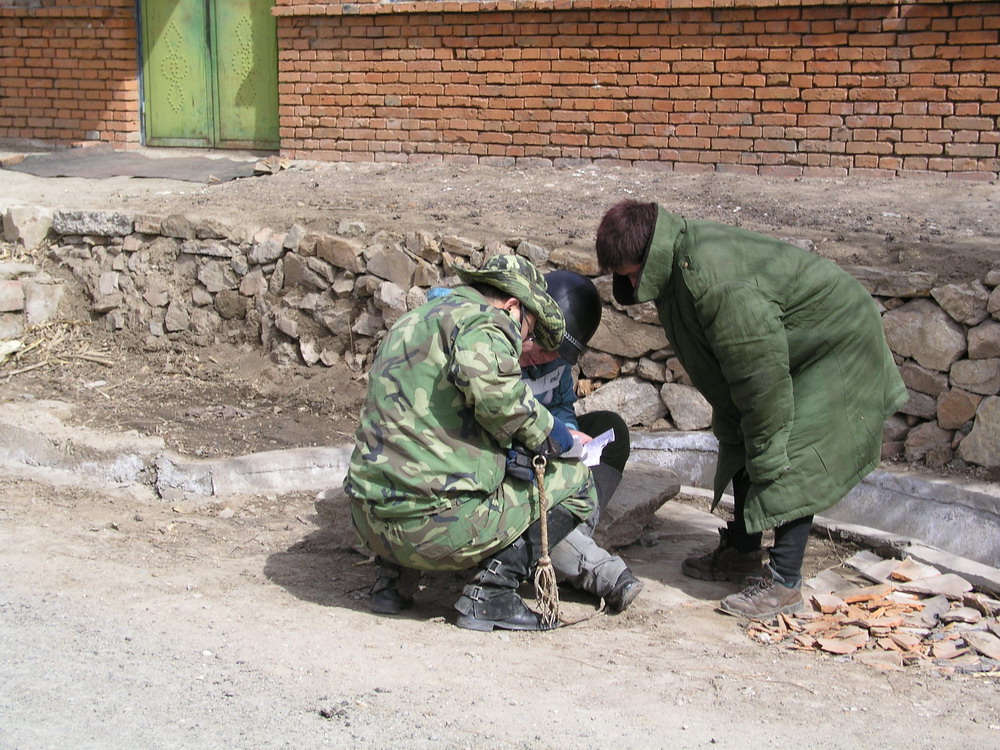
x,y
427,479
789,350
579,560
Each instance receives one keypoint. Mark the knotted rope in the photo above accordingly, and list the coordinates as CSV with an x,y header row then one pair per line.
x,y
546,588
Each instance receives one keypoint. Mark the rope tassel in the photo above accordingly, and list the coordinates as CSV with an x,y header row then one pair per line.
x,y
546,587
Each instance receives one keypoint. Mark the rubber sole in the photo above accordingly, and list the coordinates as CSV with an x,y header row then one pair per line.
x,y
469,622
788,609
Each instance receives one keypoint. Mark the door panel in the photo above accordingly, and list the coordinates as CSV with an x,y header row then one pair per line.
x,y
177,89
247,63
210,73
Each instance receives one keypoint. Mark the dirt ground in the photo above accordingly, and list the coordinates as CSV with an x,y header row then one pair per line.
x,y
242,622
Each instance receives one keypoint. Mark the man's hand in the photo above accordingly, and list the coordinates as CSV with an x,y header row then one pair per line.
x,y
583,437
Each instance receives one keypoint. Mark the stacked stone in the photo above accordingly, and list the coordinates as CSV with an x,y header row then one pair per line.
x,y
316,298
947,346
29,296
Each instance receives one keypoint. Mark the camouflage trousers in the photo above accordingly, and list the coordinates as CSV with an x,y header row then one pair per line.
x,y
477,526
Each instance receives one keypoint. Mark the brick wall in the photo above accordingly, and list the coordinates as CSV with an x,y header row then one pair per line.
x,y
760,86
68,71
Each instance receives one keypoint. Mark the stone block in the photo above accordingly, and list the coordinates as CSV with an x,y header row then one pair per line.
x,y
621,335
96,223
11,296
977,375
919,405
924,332
688,408
340,252
644,489
391,263
882,283
965,303
922,380
956,407
924,439
179,226
28,225
594,364
984,340
535,253
231,305
41,302
982,445
636,401
11,325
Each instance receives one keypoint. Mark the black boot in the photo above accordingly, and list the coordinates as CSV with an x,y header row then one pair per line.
x,y
560,522
491,599
626,589
394,588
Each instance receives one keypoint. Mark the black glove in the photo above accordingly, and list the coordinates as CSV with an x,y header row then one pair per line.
x,y
519,465
558,441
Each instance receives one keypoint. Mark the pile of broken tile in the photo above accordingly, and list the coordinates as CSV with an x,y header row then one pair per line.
x,y
892,614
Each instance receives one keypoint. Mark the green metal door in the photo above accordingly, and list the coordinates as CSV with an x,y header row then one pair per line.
x,y
177,90
246,64
210,73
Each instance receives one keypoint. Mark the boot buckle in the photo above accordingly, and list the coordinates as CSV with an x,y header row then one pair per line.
x,y
475,593
494,566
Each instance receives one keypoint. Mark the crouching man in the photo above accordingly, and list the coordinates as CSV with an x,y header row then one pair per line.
x,y
428,478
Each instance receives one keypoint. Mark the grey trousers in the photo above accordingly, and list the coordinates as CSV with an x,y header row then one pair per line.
x,y
579,561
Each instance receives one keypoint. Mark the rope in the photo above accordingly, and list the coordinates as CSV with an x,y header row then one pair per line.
x,y
546,588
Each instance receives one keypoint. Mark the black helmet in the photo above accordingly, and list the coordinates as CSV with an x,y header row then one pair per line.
x,y
580,303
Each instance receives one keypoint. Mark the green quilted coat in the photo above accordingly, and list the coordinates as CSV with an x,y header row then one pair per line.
x,y
789,350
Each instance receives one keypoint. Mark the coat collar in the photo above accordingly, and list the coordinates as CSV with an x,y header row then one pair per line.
x,y
656,275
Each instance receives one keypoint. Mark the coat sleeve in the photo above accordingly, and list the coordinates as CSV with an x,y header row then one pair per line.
x,y
745,332
565,398
485,369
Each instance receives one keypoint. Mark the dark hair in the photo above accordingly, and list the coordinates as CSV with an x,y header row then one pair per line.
x,y
491,292
624,234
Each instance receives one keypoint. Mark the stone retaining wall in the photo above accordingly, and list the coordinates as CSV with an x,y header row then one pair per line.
x,y
315,298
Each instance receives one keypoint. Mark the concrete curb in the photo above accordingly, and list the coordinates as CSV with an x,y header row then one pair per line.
x,y
279,472
34,433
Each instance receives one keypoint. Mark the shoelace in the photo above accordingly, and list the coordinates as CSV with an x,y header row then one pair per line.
x,y
757,586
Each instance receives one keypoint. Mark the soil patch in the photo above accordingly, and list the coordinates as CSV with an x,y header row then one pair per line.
x,y
242,621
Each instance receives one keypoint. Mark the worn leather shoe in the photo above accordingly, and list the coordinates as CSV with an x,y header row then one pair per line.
x,y
724,563
764,598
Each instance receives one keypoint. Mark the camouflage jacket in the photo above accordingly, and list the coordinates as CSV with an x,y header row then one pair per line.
x,y
445,400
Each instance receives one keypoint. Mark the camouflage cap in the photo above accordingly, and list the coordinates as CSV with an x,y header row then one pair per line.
x,y
519,278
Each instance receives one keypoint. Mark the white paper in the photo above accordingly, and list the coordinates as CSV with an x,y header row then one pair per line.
x,y
592,451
